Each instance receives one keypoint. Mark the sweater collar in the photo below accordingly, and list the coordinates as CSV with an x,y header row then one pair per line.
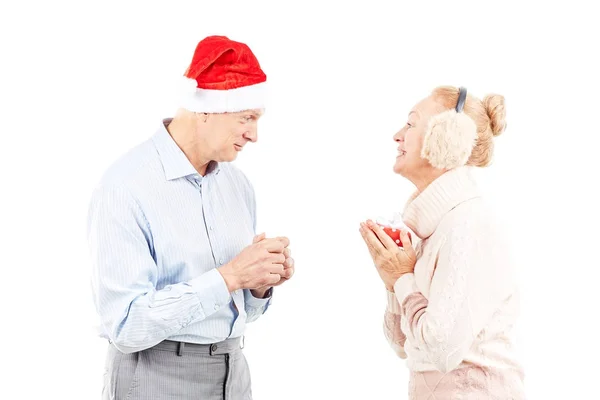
x,y
425,210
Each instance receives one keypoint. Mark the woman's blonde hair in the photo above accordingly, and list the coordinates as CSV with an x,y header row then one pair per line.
x,y
489,115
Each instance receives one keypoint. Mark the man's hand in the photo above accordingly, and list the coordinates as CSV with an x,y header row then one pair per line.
x,y
288,267
288,272
257,266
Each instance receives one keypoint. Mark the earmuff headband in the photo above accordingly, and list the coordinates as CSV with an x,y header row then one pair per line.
x,y
462,97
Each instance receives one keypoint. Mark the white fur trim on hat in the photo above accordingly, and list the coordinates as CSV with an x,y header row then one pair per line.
x,y
221,101
449,140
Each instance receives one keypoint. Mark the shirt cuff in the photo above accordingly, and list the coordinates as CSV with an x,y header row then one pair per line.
x,y
405,286
254,302
212,291
392,303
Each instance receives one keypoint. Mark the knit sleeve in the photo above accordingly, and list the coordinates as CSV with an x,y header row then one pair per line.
x,y
467,288
392,325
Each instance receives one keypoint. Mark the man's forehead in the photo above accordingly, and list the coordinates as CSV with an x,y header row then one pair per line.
x,y
256,112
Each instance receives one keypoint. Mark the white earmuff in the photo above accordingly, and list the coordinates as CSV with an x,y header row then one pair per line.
x,y
450,137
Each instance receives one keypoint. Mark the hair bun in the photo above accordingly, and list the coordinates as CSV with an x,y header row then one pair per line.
x,y
494,107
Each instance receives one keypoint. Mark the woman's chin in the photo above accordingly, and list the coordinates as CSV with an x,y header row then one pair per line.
x,y
399,166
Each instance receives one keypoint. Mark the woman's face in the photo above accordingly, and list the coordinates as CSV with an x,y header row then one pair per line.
x,y
409,162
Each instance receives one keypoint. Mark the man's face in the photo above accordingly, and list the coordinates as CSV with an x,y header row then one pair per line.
x,y
230,132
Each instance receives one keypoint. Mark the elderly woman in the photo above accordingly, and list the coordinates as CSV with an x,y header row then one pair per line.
x,y
452,298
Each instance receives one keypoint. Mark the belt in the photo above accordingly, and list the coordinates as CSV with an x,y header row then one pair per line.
x,y
225,347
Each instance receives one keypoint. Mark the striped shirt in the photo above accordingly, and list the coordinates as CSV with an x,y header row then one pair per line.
x,y
157,231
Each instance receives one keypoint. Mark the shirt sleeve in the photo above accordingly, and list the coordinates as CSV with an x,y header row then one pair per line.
x,y
469,285
132,311
256,307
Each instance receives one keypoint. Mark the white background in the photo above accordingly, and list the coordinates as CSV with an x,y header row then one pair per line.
x,y
82,82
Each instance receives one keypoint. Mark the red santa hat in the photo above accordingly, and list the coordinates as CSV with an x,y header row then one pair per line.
x,y
223,76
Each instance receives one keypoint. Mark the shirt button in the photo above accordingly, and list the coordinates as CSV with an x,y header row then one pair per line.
x,y
221,261
210,227
217,306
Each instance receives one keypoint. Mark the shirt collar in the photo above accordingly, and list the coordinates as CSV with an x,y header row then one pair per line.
x,y
174,161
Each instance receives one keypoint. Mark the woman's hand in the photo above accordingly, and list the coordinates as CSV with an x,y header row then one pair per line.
x,y
391,260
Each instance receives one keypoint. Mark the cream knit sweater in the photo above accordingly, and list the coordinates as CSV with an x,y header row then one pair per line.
x,y
457,309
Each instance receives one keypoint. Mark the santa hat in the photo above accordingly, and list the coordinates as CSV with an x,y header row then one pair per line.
x,y
223,76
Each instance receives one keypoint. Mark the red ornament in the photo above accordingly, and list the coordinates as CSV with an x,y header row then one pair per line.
x,y
394,233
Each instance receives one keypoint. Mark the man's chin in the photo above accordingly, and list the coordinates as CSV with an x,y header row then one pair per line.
x,y
229,157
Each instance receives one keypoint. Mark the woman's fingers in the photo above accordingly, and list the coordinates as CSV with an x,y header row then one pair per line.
x,y
372,238
384,238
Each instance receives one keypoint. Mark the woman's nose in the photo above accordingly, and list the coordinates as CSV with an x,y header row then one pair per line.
x,y
399,136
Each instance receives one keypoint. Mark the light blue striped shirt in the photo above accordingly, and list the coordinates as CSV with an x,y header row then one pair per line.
x,y
157,231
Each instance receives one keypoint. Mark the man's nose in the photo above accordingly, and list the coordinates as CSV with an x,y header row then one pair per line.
x,y
251,135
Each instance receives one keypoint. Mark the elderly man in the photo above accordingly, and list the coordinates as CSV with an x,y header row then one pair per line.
x,y
178,270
